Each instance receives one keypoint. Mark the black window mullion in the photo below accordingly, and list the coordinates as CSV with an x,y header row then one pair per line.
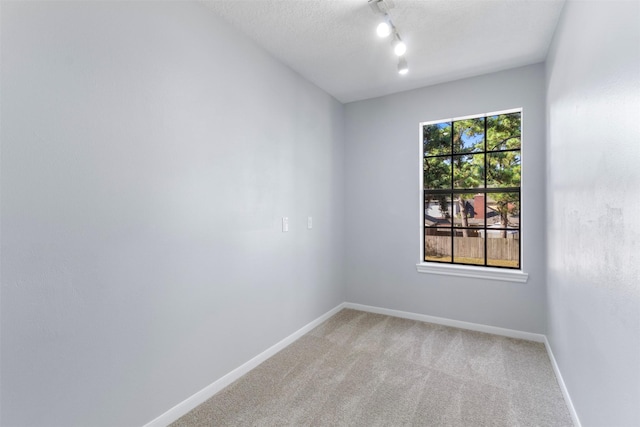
x,y
448,155
486,235
473,190
424,227
506,150
451,196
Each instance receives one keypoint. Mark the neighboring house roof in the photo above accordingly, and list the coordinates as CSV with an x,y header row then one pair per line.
x,y
493,217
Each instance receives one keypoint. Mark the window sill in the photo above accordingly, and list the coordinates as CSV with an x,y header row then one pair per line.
x,y
488,273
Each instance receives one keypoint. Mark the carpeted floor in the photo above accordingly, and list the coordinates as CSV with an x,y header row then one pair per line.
x,y
363,369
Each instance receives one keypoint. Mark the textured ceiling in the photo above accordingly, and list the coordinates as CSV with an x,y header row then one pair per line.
x,y
333,42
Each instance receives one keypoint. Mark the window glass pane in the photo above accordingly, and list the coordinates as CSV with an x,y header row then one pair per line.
x,y
503,210
437,243
503,248
503,132
468,135
468,171
503,169
437,139
468,210
437,173
468,247
437,210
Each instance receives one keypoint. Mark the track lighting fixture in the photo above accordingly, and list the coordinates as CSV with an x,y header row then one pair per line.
x,y
386,28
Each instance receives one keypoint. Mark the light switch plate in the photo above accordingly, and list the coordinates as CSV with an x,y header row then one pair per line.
x,y
309,223
285,224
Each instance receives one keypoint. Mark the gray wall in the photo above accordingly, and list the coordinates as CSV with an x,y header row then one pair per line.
x,y
148,155
383,210
593,198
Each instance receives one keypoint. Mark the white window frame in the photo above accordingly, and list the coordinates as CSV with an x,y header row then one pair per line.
x,y
459,270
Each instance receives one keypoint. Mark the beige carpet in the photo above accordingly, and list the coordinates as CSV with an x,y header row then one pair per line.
x,y
363,369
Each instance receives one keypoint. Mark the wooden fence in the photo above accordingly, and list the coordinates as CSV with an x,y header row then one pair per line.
x,y
473,247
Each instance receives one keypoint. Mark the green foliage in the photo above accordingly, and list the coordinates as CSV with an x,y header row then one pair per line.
x,y
437,139
503,132
437,172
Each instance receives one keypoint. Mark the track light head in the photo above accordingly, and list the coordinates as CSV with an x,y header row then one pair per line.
x,y
403,67
399,48
383,29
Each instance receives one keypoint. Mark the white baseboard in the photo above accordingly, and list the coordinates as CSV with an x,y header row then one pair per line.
x,y
563,387
206,393
449,322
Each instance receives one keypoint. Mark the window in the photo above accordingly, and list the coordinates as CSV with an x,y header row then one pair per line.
x,y
471,190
